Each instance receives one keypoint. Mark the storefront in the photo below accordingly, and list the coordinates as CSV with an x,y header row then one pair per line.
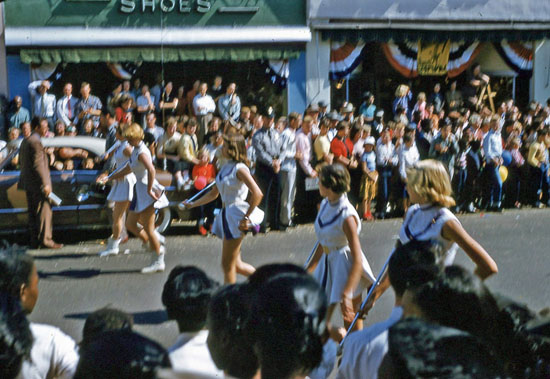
x,y
219,36
422,42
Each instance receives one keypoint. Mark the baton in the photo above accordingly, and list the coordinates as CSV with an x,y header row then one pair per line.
x,y
111,149
374,285
117,171
311,254
182,207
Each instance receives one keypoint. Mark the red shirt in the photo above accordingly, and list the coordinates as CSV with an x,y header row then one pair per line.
x,y
207,171
341,148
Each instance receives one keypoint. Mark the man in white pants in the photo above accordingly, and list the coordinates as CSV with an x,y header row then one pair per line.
x,y
287,174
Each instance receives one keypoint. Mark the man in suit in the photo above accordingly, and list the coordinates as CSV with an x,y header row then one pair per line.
x,y
66,106
43,103
35,180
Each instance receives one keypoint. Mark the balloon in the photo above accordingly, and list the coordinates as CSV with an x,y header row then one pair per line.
x,y
200,182
506,158
503,172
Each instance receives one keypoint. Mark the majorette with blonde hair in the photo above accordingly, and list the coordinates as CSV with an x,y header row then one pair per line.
x,y
429,218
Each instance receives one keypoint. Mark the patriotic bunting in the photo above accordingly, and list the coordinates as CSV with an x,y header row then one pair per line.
x,y
344,58
403,57
517,55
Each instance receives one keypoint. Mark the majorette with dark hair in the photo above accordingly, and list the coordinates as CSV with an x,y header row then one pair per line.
x,y
339,263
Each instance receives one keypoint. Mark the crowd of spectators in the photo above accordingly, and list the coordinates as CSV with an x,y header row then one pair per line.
x,y
273,326
496,159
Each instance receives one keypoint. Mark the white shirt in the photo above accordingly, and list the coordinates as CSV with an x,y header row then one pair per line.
x,y
385,154
53,354
42,105
190,353
364,350
202,105
408,156
425,222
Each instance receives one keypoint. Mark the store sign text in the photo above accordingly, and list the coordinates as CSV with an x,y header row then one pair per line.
x,y
166,6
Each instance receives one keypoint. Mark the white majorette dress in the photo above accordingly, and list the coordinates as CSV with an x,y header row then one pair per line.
x,y
122,189
333,269
141,197
233,193
424,223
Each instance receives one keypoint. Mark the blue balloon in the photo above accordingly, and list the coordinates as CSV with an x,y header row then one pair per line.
x,y
506,158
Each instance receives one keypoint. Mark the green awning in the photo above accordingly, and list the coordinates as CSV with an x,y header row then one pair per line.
x,y
156,54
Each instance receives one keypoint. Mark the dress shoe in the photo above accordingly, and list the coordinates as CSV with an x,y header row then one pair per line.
x,y
52,245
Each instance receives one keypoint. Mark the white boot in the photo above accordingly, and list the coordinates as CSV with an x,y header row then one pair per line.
x,y
157,265
112,247
162,241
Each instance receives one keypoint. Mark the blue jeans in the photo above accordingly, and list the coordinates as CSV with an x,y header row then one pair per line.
x,y
384,187
493,185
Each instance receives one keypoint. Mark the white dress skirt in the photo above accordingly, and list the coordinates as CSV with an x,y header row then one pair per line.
x,y
142,200
233,193
333,269
122,189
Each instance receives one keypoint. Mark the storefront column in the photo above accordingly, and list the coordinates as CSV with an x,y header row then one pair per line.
x,y
317,69
540,81
3,67
296,87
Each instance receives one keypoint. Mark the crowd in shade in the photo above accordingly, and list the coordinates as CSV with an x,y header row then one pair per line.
x,y
274,326
495,158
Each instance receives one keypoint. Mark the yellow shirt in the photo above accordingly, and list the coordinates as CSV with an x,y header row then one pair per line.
x,y
187,149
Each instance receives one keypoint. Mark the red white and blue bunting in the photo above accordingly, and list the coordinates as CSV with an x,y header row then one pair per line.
x,y
403,57
517,55
278,72
344,58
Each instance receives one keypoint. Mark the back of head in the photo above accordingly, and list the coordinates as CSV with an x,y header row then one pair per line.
x,y
227,341
336,178
408,256
430,180
186,295
105,320
15,269
288,321
15,336
267,272
422,350
121,355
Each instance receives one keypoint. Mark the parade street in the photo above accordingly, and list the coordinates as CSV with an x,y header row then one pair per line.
x,y
75,281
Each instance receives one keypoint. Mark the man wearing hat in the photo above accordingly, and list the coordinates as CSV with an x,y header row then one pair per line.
x,y
367,108
347,111
267,146
334,118
378,124
313,112
323,105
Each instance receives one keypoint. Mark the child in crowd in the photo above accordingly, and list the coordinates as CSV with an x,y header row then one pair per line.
x,y
367,191
204,174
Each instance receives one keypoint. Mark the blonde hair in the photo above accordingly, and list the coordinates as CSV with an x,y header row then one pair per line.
x,y
430,181
236,147
401,90
421,96
133,131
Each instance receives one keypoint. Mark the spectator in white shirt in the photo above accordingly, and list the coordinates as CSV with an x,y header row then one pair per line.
x,y
66,106
186,295
43,103
203,106
364,350
408,156
53,353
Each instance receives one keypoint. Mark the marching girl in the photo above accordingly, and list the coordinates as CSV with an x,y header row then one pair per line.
x,y
237,216
148,196
429,218
121,194
339,265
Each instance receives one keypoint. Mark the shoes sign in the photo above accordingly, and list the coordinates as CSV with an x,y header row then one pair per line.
x,y
187,6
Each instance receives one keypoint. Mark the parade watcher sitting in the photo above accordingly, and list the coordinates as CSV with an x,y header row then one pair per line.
x,y
186,295
167,150
53,353
187,152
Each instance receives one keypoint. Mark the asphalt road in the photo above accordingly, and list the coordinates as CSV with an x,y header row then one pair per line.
x,y
75,281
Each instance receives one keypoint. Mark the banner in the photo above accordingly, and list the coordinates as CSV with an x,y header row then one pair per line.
x,y
344,58
433,58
